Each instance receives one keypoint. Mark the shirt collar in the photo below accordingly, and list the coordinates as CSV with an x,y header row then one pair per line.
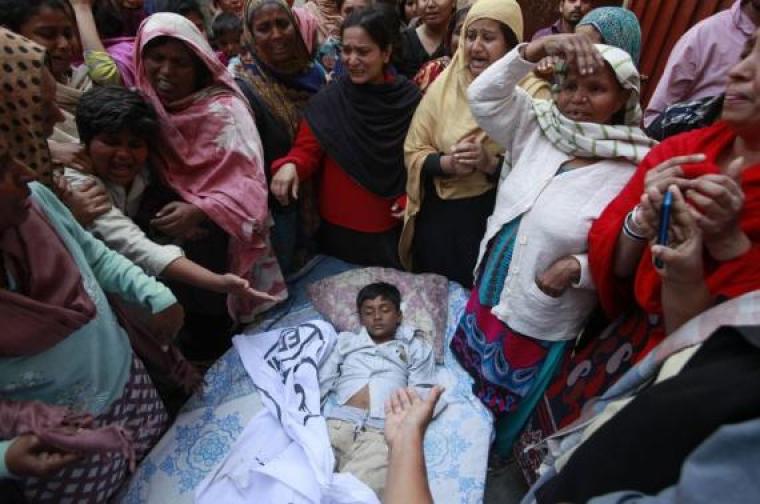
x,y
741,20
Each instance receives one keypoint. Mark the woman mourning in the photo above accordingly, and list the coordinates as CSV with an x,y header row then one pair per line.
x,y
568,159
452,163
718,171
210,161
352,135
78,408
278,84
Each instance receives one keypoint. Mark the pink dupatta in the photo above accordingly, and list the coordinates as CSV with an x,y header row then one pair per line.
x,y
308,25
122,51
211,155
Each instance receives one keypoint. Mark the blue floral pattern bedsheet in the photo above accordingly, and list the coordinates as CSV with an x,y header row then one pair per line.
x,y
456,444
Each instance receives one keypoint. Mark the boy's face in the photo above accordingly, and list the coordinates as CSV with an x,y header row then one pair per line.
x,y
229,43
118,157
380,317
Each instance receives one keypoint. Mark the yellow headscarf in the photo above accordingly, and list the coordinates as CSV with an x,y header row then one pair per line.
x,y
443,118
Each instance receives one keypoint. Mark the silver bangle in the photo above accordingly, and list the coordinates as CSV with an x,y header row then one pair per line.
x,y
628,229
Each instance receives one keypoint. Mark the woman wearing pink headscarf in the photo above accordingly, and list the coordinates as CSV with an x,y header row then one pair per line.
x,y
209,154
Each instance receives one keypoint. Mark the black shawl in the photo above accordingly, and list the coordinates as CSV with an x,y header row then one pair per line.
x,y
363,128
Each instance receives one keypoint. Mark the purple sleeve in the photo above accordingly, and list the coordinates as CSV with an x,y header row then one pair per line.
x,y
678,79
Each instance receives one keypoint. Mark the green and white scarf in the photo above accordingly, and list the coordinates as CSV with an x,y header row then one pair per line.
x,y
592,140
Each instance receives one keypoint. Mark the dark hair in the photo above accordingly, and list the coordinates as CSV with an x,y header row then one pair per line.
x,y
109,18
379,289
112,109
14,13
379,21
226,22
458,16
181,7
402,10
509,36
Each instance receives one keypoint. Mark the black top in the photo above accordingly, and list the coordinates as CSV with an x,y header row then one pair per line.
x,y
275,138
414,55
363,128
643,447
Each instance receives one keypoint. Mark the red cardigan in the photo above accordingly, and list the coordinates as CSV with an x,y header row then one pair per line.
x,y
342,201
724,279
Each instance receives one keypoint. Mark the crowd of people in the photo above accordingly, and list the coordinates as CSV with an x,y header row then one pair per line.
x,y
165,165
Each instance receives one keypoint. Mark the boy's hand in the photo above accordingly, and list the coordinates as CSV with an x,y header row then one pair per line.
x,y
27,456
406,413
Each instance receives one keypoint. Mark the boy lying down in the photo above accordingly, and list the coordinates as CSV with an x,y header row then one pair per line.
x,y
361,373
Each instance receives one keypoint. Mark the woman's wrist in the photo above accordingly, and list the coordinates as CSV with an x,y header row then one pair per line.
x,y
533,52
729,246
408,437
632,227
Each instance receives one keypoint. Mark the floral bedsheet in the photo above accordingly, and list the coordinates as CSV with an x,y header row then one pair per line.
x,y
456,444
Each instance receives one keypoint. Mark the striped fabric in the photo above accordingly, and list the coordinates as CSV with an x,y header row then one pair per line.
x,y
584,139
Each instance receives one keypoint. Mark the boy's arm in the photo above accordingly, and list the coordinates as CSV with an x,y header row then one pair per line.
x,y
421,363
422,370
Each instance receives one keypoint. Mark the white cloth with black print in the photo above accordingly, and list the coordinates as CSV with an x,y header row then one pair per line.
x,y
284,455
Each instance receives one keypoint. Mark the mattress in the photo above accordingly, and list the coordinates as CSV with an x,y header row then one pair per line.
x,y
456,444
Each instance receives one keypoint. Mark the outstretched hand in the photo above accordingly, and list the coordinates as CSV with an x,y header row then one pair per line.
x,y
407,412
240,287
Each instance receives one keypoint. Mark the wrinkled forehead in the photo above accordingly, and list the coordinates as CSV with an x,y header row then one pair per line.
x,y
605,74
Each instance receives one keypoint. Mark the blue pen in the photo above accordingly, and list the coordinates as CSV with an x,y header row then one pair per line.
x,y
662,234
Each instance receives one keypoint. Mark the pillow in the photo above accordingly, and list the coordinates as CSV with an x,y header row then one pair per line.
x,y
424,301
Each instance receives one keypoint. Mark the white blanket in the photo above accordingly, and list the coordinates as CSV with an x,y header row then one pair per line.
x,y
284,454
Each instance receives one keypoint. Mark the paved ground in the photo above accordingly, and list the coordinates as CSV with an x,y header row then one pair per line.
x,y
505,485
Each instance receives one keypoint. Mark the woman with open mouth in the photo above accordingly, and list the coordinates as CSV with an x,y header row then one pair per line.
x,y
452,164
352,135
568,158
213,194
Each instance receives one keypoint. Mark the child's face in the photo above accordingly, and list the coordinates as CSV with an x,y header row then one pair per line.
x,y
231,6
229,43
328,61
380,317
118,157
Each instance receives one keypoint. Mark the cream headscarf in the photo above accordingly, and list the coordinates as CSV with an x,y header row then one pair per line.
x,y
443,118
591,140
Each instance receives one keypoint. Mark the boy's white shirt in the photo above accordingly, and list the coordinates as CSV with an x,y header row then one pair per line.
x,y
116,228
357,361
